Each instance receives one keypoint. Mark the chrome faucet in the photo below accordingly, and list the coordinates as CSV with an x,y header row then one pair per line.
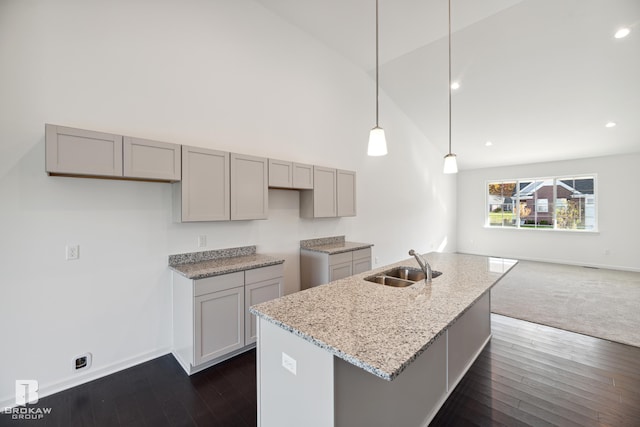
x,y
424,265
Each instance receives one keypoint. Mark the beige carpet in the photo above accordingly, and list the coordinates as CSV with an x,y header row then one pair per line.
x,y
597,302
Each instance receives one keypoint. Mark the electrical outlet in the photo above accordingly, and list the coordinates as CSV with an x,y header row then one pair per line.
x,y
73,252
289,363
202,241
82,362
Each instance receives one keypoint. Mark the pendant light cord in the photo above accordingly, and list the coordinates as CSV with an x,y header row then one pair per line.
x,y
376,63
449,76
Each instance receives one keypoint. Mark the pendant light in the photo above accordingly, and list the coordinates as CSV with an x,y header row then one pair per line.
x,y
450,163
377,141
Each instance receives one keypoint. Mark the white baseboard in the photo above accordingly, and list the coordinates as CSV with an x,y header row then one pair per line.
x,y
76,380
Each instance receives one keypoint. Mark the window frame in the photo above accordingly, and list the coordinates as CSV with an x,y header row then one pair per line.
x,y
516,200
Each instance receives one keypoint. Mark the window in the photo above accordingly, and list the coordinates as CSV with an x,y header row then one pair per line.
x,y
543,203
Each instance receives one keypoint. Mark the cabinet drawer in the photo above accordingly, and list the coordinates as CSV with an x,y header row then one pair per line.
x,y
218,283
263,273
362,253
340,258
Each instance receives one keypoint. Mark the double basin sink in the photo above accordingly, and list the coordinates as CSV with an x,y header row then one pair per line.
x,y
400,277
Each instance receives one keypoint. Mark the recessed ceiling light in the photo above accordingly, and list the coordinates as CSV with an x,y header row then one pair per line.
x,y
622,33
488,144
455,85
610,124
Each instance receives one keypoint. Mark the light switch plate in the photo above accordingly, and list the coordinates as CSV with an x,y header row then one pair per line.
x,y
72,252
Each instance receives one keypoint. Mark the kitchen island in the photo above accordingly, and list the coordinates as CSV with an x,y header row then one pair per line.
x,y
353,352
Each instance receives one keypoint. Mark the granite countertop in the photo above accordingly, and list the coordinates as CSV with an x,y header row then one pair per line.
x,y
379,328
198,265
332,245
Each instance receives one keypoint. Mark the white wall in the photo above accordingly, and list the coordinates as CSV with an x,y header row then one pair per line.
x,y
615,245
222,74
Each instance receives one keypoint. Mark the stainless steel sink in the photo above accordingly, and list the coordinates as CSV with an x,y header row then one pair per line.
x,y
400,277
390,281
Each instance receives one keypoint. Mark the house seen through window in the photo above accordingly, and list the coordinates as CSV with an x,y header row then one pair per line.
x,y
544,203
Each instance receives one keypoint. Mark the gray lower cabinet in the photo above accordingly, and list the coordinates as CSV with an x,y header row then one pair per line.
x,y
211,319
80,152
261,285
219,318
318,268
333,194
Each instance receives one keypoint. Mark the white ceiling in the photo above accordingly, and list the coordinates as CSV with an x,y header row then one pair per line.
x,y
540,78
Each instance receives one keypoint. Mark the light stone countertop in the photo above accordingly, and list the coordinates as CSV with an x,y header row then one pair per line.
x,y
332,245
337,248
198,265
382,329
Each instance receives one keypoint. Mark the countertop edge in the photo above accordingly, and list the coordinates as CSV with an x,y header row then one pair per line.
x,y
229,269
353,247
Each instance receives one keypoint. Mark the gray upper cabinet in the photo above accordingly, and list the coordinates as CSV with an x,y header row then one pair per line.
x,y
302,176
321,202
72,151
147,159
346,193
333,194
283,174
249,187
203,194
280,174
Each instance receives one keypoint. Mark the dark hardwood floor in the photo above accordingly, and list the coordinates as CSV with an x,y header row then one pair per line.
x,y
527,375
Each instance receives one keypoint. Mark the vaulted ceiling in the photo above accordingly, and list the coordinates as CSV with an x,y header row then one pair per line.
x,y
539,78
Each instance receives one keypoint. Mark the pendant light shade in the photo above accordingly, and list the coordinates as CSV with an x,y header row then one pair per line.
x,y
377,141
450,162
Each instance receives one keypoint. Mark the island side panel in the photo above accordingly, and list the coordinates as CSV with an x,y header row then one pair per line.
x,y
285,399
182,299
314,268
411,399
467,337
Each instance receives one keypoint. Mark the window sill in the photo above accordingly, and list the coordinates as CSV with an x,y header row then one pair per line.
x,y
553,230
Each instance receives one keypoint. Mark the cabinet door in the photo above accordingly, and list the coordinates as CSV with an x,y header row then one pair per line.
x,y
148,159
340,271
361,260
361,265
346,193
82,152
280,174
249,187
219,324
324,192
302,176
205,185
255,294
